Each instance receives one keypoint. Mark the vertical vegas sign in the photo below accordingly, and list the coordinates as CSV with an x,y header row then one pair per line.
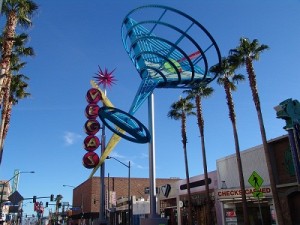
x,y
91,127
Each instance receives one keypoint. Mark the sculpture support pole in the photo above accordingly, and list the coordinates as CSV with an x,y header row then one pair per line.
x,y
102,215
154,218
102,180
152,175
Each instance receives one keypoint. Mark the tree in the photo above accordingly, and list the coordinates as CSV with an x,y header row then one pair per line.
x,y
16,84
17,92
197,93
17,12
244,55
179,111
228,79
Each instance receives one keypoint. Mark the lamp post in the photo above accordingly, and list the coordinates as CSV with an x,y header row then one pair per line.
x,y
4,184
71,186
81,201
1,3
66,185
129,198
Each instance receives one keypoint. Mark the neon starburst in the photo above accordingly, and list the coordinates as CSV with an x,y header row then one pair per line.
x,y
105,78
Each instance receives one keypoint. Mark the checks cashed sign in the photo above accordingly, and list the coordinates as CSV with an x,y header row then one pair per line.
x,y
235,193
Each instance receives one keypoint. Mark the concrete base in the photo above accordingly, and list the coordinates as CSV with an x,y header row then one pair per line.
x,y
153,221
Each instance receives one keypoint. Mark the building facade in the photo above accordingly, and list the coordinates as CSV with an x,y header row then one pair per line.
x,y
258,191
87,203
229,195
173,200
5,192
224,188
288,186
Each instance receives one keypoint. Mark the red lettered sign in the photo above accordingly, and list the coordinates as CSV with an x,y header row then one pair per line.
x,y
91,143
90,160
93,96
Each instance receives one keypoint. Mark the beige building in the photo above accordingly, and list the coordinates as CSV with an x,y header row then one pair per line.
x,y
5,191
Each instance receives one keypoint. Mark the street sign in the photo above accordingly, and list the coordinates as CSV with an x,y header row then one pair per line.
x,y
255,180
65,204
15,198
258,194
75,208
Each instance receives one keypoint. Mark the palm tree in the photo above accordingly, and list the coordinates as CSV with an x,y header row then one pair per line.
x,y
228,79
244,55
17,12
17,91
179,111
197,93
15,84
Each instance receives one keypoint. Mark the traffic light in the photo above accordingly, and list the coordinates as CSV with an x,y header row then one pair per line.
x,y
34,199
46,204
59,205
51,198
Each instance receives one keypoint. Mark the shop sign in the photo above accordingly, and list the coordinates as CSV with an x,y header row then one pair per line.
x,y
180,204
166,190
230,215
235,193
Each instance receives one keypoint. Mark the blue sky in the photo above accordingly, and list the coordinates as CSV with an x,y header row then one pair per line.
x,y
72,38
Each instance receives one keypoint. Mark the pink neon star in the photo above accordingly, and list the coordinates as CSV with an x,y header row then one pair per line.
x,y
105,78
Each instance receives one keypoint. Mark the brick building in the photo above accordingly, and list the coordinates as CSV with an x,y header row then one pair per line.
x,y
285,173
86,195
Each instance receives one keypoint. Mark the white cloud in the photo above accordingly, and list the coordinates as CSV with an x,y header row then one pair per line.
x,y
125,160
144,156
140,166
70,138
117,155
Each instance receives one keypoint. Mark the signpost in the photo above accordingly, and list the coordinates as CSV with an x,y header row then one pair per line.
x,y
256,181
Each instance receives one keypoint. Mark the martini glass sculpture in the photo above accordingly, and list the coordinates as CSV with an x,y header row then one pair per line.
x,y
169,49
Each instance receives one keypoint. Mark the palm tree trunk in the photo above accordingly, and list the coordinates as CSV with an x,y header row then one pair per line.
x,y
253,86
232,117
241,175
5,110
8,42
7,120
184,141
208,200
201,130
5,129
188,187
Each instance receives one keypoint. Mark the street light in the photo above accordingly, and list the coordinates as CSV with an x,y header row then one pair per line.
x,y
1,3
71,186
4,184
81,206
129,198
66,185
